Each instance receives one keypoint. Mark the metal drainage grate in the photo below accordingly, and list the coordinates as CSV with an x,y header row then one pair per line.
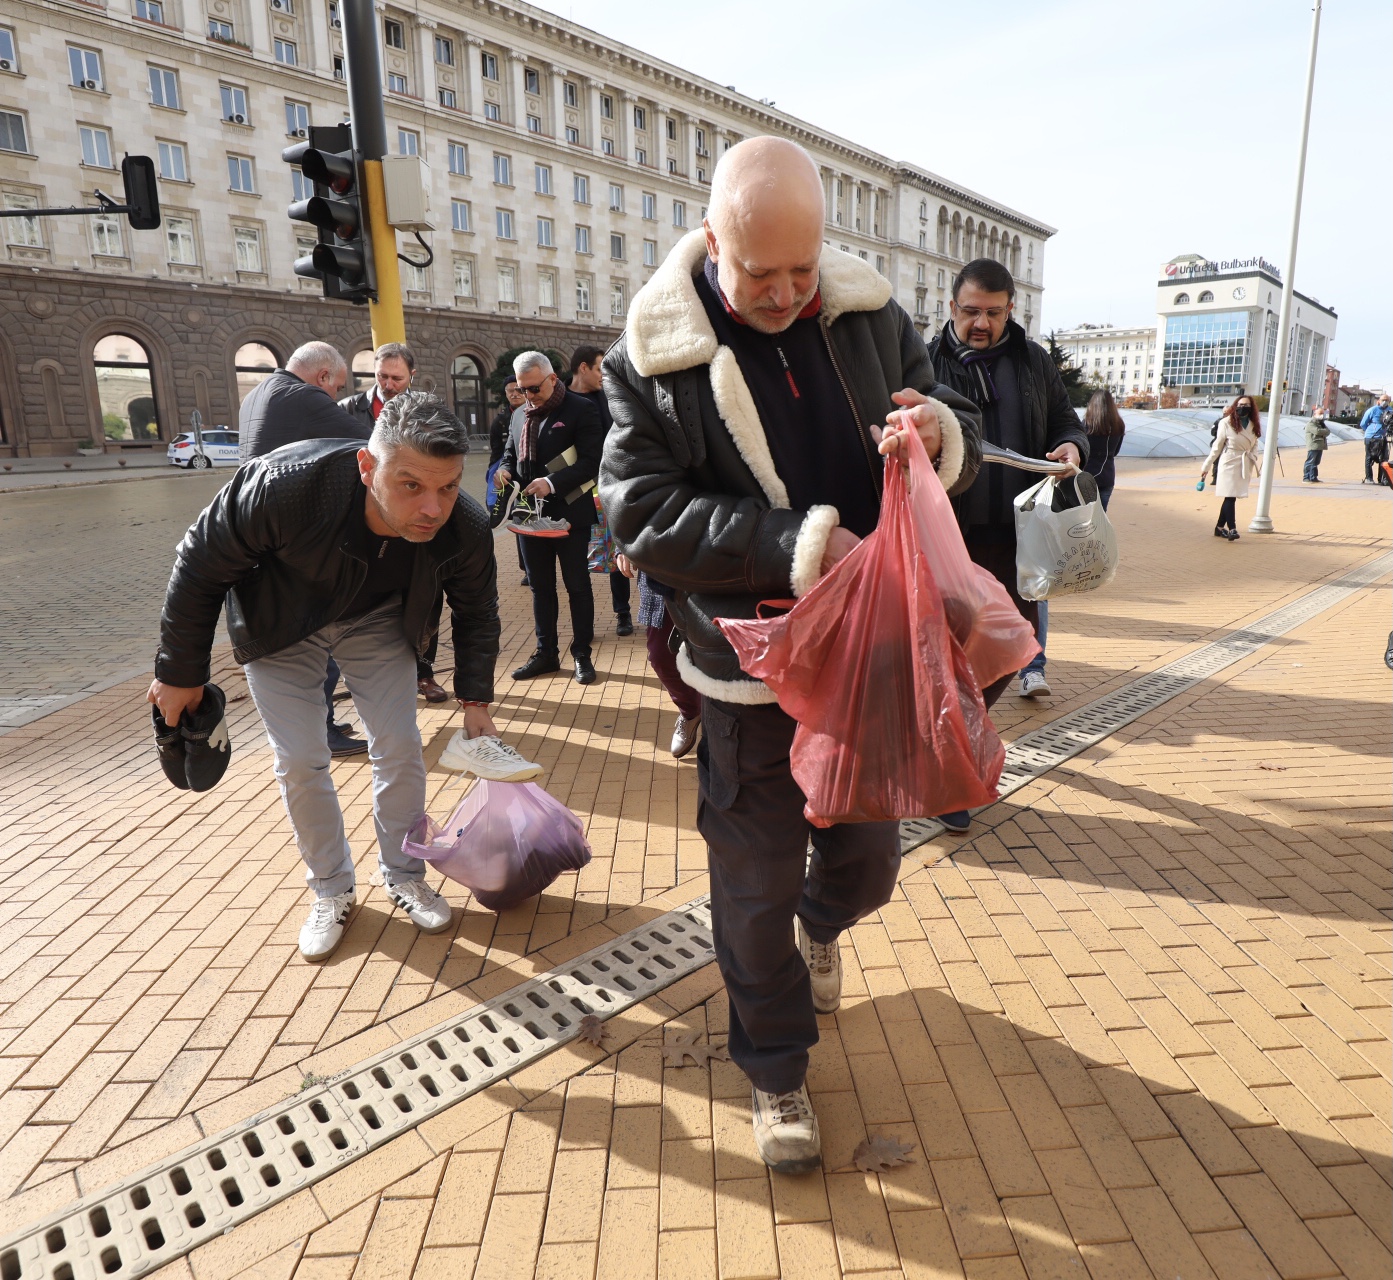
x,y
1036,753
172,1207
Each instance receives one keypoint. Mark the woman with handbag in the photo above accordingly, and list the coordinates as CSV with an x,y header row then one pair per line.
x,y
1236,453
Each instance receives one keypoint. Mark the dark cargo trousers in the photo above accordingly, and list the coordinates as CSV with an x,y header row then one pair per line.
x,y
750,812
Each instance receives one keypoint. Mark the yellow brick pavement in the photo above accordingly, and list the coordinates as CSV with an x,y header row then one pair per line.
x,y
1137,1025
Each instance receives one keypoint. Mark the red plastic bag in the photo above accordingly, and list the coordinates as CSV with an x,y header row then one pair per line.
x,y
891,722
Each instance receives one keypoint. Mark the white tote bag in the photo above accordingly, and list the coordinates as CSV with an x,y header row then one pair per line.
x,y
1060,553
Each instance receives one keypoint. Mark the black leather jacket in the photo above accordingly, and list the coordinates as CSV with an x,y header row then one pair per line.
x,y
275,544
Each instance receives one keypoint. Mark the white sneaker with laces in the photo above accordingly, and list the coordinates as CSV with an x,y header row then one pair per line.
x,y
1034,685
487,757
786,1131
428,911
824,961
321,934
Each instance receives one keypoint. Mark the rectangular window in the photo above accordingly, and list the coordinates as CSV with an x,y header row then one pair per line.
x,y
234,104
164,88
616,198
393,34
106,234
679,213
650,253
701,142
150,10
96,147
301,188
921,274
640,156
671,129
459,215
445,51
671,165
616,246
240,175
582,239
246,245
503,170
545,234
492,111
446,97
507,284
179,239
396,83
581,187
174,163
335,20
583,294
458,159
297,119
84,68
531,80
543,175
546,289
650,207
9,59
464,278
606,107
880,263
573,135
607,146
490,66
286,53
339,72
534,124
941,278
618,299
640,118
503,223
415,277
570,94
408,142
23,231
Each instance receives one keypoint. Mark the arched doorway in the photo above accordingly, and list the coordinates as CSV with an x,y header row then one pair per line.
x,y
467,384
252,364
361,371
125,389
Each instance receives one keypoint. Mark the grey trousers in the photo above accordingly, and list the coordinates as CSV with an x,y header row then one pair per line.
x,y
379,667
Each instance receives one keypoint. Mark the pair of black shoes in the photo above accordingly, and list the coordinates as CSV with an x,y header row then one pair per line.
x,y
1230,534
542,664
194,754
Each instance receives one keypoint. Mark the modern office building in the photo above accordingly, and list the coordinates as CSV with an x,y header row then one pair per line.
x,y
1219,323
1123,360
564,166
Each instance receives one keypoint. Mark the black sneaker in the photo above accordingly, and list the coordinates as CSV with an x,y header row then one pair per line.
x,y
341,744
539,664
585,669
169,746
207,747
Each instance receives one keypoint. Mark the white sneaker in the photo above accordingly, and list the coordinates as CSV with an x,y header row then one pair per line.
x,y
429,912
321,934
487,757
786,1132
1034,685
824,961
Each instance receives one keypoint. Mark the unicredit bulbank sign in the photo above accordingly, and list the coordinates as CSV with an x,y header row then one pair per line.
x,y
1178,271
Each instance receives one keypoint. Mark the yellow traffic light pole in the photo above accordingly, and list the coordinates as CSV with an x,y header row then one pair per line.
x,y
385,314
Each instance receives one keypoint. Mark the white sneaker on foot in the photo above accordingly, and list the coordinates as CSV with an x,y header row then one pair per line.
x,y
487,757
786,1132
824,961
321,934
429,912
1034,685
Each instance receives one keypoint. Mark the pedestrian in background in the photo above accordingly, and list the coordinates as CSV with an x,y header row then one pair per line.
x,y
1317,434
394,366
1106,431
657,622
498,435
1236,456
1374,424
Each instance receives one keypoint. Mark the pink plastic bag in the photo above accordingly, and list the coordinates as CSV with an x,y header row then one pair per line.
x,y
505,842
891,722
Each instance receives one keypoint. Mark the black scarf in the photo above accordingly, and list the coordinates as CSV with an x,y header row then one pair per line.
x,y
978,363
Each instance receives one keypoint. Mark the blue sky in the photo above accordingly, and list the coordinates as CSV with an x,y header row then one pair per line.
x,y
1140,131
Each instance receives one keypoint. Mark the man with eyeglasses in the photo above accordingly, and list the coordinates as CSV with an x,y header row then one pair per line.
x,y
556,458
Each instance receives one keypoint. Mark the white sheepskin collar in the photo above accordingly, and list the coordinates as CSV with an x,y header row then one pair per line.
x,y
667,328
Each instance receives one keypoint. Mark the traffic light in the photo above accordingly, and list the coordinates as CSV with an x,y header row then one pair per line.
x,y
343,257
142,196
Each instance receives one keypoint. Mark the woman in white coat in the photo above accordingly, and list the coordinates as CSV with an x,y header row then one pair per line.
x,y
1237,453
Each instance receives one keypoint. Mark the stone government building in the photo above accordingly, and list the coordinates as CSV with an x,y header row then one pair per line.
x,y
564,166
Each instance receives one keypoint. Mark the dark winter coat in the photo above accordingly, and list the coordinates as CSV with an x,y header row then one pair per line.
x,y
282,409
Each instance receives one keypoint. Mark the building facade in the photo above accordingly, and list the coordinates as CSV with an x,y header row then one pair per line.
x,y
1122,360
1219,322
563,168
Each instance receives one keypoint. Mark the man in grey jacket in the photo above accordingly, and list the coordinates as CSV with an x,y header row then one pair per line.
x,y
743,463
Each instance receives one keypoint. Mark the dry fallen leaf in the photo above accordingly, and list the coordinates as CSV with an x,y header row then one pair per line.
x,y
876,1155
686,1047
592,1030
1273,768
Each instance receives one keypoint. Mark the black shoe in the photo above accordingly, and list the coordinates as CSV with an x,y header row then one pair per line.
x,y
207,747
957,822
585,669
340,744
1232,535
169,746
525,581
539,664
344,726
625,624
1220,533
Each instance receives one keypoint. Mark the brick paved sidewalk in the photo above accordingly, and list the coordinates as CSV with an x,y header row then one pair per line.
x,y
1137,1025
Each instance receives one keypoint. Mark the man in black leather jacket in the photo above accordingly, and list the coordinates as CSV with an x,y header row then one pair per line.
x,y
747,391
323,546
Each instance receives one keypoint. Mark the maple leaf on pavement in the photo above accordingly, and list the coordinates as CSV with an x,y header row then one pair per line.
x,y
876,1155
686,1046
592,1030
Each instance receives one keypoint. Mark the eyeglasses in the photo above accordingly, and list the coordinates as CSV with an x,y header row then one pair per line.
x,y
971,313
532,391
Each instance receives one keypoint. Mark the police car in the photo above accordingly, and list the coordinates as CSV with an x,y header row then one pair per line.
x,y
219,449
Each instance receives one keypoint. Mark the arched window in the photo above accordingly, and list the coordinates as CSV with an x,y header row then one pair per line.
x,y
970,239
994,245
1016,256
1181,299
361,370
942,229
467,382
125,389
1206,296
956,246
253,363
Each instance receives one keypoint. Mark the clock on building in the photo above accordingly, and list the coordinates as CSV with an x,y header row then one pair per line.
x,y
1240,293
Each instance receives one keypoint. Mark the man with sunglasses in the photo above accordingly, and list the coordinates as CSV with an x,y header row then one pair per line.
x,y
555,459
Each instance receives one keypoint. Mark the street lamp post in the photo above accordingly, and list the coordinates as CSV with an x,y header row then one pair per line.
x,y
1262,518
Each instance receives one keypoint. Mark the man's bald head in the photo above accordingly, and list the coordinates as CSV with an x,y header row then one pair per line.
x,y
764,230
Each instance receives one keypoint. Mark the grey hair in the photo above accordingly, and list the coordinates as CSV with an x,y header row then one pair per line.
x,y
532,360
396,351
420,421
314,356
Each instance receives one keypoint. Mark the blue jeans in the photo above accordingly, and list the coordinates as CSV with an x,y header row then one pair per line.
x,y
1042,629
